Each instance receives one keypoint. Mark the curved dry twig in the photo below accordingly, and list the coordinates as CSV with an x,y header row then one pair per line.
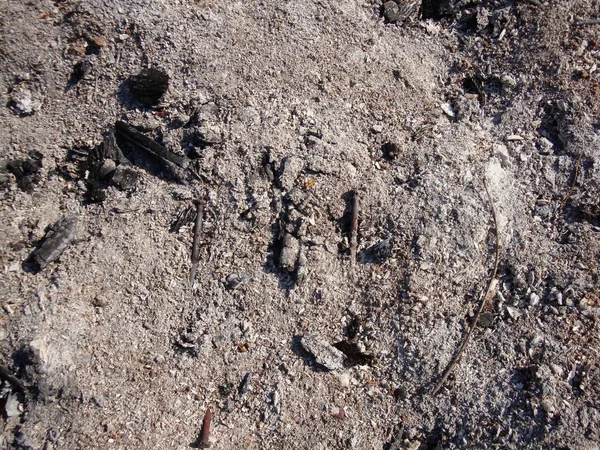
x,y
484,299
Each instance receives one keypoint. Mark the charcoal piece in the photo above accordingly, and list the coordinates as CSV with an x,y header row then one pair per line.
x,y
354,356
149,85
80,71
149,145
244,385
26,171
125,177
390,150
57,239
184,217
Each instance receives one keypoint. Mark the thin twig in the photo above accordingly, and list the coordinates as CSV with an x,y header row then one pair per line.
x,y
484,299
196,242
587,22
572,188
354,229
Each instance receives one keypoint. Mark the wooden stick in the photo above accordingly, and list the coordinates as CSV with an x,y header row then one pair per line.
x,y
149,145
354,229
484,299
196,242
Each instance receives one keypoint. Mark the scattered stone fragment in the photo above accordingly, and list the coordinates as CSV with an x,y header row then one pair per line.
x,y
399,10
534,299
56,241
107,168
513,312
291,168
24,101
502,152
209,134
289,253
447,108
235,280
302,269
325,354
377,253
11,408
377,128
149,85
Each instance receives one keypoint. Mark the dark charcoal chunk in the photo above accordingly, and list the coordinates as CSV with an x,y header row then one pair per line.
x,y
149,85
26,171
353,354
390,150
125,177
57,239
80,70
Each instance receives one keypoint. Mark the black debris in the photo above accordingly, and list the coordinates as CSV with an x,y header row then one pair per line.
x,y
57,239
390,150
244,385
185,217
149,145
149,85
26,171
354,355
80,71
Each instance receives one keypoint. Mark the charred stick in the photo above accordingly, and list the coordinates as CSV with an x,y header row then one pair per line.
x,y
144,142
205,436
484,299
354,229
196,242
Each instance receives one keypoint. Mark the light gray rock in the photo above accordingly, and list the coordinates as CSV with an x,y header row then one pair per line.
x,y
325,354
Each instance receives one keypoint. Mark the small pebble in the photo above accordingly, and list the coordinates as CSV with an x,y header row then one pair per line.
x,y
534,299
447,108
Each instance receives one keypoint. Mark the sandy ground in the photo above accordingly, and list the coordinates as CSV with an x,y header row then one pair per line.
x,y
286,111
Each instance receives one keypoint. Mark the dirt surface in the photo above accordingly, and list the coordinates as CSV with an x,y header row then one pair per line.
x,y
293,115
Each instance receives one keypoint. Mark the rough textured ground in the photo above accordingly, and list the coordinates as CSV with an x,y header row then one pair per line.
x,y
110,347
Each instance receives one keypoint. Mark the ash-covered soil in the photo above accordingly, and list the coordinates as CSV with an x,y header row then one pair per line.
x,y
280,121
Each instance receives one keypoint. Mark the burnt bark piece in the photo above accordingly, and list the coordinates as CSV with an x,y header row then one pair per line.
x,y
149,85
147,144
57,239
26,171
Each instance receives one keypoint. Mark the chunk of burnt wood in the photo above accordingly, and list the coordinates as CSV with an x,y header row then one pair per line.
x,y
149,145
149,85
26,171
58,238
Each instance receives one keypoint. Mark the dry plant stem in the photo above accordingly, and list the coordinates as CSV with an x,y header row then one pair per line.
x,y
588,22
354,229
196,242
572,188
484,299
